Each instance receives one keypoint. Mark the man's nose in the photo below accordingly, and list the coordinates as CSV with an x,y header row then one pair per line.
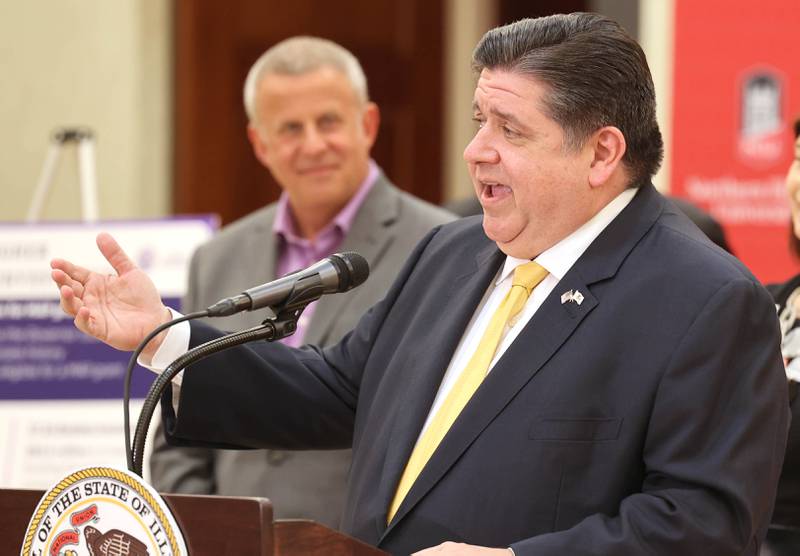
x,y
313,141
481,149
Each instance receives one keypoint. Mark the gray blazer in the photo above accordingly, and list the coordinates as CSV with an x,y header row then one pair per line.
x,y
309,484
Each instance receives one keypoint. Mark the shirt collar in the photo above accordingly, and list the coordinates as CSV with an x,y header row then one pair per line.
x,y
559,258
284,225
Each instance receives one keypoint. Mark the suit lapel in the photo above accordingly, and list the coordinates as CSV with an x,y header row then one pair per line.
x,y
427,366
370,235
544,335
262,242
266,264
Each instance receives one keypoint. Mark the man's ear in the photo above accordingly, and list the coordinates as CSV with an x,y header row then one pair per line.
x,y
371,120
608,147
259,147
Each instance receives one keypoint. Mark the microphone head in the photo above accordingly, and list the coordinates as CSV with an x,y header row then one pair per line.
x,y
353,269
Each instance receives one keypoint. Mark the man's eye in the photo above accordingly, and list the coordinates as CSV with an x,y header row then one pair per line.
x,y
291,129
508,132
479,121
329,122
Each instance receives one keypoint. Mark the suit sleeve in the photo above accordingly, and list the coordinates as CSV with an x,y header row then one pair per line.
x,y
183,469
714,444
268,395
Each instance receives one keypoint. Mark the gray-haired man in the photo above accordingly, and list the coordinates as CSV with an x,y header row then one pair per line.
x,y
312,125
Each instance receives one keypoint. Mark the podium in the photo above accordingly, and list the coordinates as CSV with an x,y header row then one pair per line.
x,y
211,526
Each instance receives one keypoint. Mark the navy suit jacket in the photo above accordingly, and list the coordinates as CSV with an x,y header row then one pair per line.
x,y
649,419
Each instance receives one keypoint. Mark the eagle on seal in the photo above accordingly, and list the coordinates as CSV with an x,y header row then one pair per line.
x,y
113,543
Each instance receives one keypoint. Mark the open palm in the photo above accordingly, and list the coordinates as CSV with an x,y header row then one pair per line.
x,y
118,310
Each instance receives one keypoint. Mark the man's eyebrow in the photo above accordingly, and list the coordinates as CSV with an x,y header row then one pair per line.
x,y
508,117
511,118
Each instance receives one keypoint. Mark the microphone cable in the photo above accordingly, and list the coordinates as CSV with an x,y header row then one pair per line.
x,y
269,330
126,396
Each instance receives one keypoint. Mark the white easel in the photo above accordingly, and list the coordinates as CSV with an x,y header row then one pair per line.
x,y
84,138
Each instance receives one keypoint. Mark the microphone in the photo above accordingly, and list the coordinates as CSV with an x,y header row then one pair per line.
x,y
338,273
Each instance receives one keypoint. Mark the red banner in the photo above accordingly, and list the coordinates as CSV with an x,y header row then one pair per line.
x,y
83,516
63,539
736,94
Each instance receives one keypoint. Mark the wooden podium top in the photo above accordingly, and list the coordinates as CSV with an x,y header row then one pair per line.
x,y
211,525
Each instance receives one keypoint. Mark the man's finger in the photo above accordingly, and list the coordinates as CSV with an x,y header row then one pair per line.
x,y
114,254
72,270
61,278
69,303
83,322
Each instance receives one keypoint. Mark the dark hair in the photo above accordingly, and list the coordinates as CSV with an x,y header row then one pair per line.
x,y
597,75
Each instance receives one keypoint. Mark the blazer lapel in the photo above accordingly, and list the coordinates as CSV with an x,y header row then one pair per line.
x,y
547,331
425,370
370,235
261,267
265,266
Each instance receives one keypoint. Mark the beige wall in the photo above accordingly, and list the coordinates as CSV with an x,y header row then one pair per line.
x,y
105,65
656,32
467,21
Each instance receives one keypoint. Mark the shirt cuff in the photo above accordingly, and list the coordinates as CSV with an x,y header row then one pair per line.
x,y
175,344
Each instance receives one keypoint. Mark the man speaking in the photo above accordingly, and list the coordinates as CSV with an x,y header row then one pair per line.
x,y
579,371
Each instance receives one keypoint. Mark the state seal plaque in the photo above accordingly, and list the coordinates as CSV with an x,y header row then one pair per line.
x,y
102,511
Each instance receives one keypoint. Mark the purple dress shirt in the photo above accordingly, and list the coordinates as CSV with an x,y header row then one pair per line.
x,y
296,252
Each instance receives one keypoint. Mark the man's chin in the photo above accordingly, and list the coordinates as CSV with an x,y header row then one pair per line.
x,y
511,241
498,230
319,179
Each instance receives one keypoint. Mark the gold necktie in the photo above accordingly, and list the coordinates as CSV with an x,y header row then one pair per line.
x,y
526,277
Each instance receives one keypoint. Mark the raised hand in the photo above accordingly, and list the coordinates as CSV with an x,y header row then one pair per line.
x,y
120,309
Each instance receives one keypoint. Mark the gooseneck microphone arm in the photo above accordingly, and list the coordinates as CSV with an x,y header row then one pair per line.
x,y
287,297
126,394
270,330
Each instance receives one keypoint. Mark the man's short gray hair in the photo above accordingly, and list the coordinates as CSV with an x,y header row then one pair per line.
x,y
300,55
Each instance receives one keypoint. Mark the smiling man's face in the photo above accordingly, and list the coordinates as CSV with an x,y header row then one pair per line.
x,y
534,190
314,135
